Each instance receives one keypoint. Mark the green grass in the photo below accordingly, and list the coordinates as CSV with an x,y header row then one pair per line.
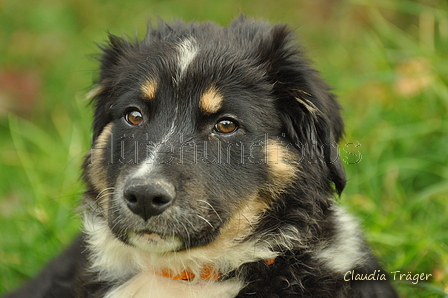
x,y
386,59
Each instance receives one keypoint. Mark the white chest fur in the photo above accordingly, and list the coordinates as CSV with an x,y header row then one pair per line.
x,y
151,285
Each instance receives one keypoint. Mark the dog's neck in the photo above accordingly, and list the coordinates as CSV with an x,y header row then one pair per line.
x,y
207,272
115,260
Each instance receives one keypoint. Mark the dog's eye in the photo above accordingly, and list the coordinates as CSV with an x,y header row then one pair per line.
x,y
134,117
226,126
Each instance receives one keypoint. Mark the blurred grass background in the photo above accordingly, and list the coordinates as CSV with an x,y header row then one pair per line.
x,y
387,60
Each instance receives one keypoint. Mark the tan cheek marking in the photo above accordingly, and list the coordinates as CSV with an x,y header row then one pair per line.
x,y
149,89
240,224
228,247
211,101
282,170
96,172
282,167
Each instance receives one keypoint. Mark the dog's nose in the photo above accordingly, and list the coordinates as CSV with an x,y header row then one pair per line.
x,y
148,199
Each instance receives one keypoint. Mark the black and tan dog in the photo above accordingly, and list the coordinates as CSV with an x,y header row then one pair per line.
x,y
213,174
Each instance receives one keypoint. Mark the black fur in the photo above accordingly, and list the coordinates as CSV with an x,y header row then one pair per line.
x,y
200,179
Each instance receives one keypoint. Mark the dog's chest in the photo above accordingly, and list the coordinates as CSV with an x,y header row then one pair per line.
x,y
150,285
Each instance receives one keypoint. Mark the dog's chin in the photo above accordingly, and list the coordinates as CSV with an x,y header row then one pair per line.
x,y
152,242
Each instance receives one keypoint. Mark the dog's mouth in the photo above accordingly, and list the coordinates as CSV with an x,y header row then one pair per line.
x,y
179,226
154,242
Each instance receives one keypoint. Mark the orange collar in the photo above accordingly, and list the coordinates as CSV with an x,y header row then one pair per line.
x,y
207,273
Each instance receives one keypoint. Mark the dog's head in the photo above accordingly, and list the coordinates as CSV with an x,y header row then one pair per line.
x,y
201,131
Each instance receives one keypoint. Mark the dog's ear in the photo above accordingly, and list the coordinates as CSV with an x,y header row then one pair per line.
x,y
308,110
110,56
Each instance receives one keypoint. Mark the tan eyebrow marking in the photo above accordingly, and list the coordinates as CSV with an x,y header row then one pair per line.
x,y
149,88
211,101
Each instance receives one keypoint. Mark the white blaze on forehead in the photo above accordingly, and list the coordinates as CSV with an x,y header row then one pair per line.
x,y
187,51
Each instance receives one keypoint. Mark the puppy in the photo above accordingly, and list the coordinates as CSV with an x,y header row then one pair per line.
x,y
213,173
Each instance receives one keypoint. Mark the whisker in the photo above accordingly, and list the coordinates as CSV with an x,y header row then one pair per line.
x,y
248,221
204,219
212,208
